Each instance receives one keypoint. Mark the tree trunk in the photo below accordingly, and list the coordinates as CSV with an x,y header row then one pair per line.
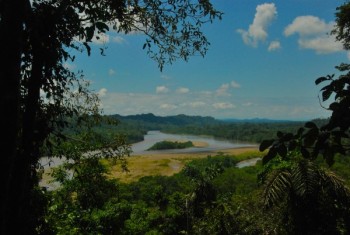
x,y
12,13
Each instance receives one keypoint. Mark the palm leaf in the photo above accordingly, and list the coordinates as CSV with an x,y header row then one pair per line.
x,y
305,179
278,186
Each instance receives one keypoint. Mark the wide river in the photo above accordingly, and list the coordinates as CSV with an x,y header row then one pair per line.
x,y
212,144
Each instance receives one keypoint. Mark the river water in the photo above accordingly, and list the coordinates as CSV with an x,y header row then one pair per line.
x,y
213,144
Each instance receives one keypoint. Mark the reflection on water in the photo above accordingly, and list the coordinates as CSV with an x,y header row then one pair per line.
x,y
153,137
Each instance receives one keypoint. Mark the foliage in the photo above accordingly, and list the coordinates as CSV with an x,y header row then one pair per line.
x,y
41,37
136,126
171,145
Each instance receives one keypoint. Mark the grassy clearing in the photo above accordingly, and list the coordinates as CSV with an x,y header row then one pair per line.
x,y
171,163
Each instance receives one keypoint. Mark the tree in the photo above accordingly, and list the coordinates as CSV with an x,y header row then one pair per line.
x,y
311,200
317,201
37,39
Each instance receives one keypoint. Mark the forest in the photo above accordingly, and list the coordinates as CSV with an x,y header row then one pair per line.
x,y
300,185
134,127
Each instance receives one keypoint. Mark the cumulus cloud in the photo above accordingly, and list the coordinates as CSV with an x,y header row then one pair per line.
x,y
102,92
162,89
257,31
223,90
314,34
182,90
234,84
223,105
274,45
308,25
111,72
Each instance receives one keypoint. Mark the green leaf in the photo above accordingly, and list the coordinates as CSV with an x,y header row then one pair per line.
x,y
305,153
265,144
102,27
282,150
269,156
279,134
88,48
89,33
321,79
310,125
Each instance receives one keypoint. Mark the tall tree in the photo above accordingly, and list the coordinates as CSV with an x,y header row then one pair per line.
x,y
37,38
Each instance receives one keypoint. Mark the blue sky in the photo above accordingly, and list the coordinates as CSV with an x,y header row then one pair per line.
x,y
262,63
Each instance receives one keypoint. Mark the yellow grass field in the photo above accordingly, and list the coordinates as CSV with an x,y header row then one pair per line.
x,y
170,163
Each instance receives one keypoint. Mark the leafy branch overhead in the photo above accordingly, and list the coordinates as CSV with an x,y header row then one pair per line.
x,y
327,140
333,137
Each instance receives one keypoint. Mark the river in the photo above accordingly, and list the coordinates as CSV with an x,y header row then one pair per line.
x,y
212,144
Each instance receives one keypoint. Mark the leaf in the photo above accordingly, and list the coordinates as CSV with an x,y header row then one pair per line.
x,y
311,136
326,94
88,48
292,145
102,27
269,156
282,150
90,33
279,134
265,144
288,137
321,79
305,153
300,132
310,125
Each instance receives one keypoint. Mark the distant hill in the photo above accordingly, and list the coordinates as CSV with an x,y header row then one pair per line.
x,y
183,119
256,120
248,130
180,119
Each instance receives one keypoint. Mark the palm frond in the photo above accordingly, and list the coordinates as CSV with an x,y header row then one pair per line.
x,y
305,178
278,186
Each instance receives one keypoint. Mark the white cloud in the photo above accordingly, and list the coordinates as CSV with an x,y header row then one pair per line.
x,y
165,77
102,92
308,25
314,34
168,106
247,104
162,89
198,103
223,105
182,90
234,84
69,66
322,45
111,72
118,39
274,45
223,90
195,104
257,31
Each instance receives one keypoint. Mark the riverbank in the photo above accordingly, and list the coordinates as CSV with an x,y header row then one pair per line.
x,y
165,164
168,164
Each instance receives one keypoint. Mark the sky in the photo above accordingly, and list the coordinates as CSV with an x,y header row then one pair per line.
x,y
263,61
